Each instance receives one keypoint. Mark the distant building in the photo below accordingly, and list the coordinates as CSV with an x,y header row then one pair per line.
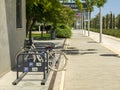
x,y
70,1
12,32
72,4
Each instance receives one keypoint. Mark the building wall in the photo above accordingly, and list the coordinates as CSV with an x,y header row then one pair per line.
x,y
12,37
4,41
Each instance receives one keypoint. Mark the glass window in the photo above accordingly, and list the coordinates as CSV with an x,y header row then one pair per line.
x,y
19,13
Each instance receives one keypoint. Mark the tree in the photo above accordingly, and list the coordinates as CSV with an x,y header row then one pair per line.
x,y
52,15
111,21
104,22
118,21
100,4
38,10
30,16
114,23
79,4
90,4
107,21
66,16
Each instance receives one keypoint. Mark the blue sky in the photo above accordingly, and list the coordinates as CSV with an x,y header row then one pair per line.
x,y
111,6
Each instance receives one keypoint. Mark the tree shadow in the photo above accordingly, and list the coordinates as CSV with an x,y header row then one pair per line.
x,y
92,42
110,55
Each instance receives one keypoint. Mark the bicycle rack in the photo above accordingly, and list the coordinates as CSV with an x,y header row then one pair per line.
x,y
29,65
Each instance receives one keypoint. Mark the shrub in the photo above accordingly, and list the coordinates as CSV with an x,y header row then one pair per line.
x,y
35,28
63,31
112,32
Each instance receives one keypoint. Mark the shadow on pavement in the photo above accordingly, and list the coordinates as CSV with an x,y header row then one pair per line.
x,y
110,55
75,51
92,42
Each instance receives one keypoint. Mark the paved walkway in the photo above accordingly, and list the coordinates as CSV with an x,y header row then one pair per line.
x,y
110,42
91,66
31,81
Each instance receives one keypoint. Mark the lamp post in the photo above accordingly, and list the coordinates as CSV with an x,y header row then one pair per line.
x,y
88,23
84,23
100,40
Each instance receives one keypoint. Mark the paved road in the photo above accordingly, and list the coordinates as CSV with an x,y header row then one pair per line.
x,y
92,67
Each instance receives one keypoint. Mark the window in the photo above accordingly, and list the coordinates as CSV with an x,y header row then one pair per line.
x,y
19,13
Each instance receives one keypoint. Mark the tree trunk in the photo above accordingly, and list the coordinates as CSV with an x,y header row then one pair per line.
x,y
27,26
42,31
30,31
53,31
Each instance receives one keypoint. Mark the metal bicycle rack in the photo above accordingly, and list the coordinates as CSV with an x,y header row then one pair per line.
x,y
29,65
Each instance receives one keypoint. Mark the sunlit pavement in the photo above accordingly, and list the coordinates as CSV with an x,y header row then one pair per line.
x,y
93,66
109,42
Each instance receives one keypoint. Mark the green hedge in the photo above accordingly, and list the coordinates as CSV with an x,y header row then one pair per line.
x,y
112,32
63,31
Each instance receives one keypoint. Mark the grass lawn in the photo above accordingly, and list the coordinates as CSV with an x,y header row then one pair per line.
x,y
38,35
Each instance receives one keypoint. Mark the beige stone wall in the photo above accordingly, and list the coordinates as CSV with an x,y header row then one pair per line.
x,y
4,42
11,38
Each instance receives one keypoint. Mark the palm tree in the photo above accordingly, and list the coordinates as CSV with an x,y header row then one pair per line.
x,y
100,4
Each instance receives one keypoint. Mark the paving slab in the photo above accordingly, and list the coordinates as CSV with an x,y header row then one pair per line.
x,y
93,67
31,81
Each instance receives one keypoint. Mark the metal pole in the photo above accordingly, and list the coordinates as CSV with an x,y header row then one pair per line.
x,y
88,23
84,23
84,28
100,40
81,21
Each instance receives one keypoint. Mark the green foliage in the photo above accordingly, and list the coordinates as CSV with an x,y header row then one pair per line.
x,y
66,16
79,4
63,31
109,21
90,4
118,21
38,36
40,10
104,22
95,21
100,3
35,28
112,32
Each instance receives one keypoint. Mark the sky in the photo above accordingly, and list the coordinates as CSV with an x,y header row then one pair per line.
x,y
111,6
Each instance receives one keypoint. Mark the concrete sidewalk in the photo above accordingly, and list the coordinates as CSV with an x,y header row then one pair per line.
x,y
31,81
91,66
